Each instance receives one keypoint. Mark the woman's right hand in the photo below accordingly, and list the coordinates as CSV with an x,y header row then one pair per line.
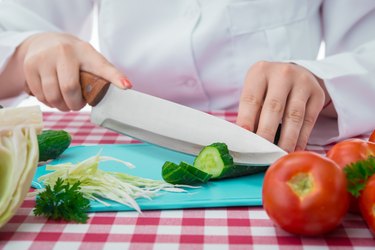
x,y
51,66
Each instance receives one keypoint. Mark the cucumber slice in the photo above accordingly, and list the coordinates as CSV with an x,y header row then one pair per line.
x,y
214,159
174,174
202,176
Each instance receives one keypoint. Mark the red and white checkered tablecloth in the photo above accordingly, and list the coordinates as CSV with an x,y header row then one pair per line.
x,y
211,228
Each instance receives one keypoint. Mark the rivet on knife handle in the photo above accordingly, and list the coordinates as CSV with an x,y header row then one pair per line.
x,y
93,87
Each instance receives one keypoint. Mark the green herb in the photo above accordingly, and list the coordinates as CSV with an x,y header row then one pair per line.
x,y
358,173
63,201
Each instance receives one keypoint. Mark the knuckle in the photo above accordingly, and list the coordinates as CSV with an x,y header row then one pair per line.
x,y
274,105
48,80
286,70
64,48
27,63
305,77
30,63
69,87
54,99
295,115
251,100
260,66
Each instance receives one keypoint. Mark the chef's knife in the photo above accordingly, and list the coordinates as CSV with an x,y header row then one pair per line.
x,y
171,125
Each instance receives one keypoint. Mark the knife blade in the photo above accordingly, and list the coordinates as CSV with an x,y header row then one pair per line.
x,y
171,125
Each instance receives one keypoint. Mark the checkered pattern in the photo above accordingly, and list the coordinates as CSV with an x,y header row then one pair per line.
x,y
214,228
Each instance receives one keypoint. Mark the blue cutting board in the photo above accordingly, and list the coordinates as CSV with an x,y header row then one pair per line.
x,y
148,160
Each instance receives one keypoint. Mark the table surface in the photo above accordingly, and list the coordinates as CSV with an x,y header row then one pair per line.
x,y
213,228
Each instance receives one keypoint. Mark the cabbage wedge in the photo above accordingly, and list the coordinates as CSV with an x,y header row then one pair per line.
x,y
19,155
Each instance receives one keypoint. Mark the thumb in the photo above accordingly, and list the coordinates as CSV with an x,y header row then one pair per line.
x,y
97,64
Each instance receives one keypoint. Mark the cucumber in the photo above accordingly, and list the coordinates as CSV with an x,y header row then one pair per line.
x,y
175,174
202,176
240,170
213,162
52,143
214,159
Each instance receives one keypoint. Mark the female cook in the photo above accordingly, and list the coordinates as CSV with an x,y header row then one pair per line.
x,y
257,57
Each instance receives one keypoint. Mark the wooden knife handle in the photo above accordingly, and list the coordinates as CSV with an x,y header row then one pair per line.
x,y
93,87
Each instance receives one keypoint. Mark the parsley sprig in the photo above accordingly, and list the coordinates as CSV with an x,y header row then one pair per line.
x,y
63,201
358,173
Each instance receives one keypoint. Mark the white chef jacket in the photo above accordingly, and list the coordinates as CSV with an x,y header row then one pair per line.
x,y
197,52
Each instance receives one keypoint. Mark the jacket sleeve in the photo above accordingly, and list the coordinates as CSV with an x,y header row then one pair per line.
x,y
348,70
21,18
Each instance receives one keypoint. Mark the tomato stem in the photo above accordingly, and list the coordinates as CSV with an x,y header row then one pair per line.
x,y
301,184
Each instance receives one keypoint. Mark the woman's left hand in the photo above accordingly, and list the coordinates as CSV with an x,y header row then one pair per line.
x,y
286,93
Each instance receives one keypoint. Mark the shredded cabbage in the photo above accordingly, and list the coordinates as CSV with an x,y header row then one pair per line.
x,y
97,184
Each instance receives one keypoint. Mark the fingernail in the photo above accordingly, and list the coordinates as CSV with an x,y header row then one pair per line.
x,y
126,83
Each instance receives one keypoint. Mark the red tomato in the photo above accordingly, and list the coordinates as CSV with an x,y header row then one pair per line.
x,y
367,203
350,151
305,193
372,137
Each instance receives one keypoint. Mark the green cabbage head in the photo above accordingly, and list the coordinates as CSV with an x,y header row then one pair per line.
x,y
18,156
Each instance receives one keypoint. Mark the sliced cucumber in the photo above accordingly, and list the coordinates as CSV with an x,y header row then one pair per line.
x,y
213,162
202,176
214,159
175,174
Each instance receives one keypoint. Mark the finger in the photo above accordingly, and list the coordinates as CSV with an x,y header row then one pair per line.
x,y
273,109
293,118
251,101
313,108
70,88
34,85
100,66
50,85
